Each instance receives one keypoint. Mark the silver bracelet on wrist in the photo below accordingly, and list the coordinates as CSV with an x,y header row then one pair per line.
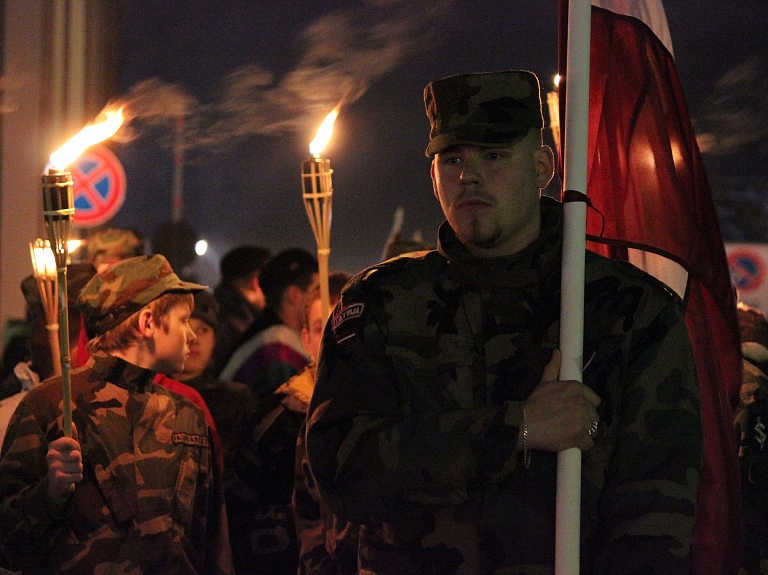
x,y
526,451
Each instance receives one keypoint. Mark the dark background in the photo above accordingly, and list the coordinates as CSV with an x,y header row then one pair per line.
x,y
254,79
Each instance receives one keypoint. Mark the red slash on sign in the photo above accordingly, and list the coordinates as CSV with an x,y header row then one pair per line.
x,y
747,269
99,187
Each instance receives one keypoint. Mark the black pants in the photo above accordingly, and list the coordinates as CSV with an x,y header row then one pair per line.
x,y
755,521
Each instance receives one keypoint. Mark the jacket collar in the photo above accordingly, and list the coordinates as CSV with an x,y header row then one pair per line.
x,y
121,373
539,260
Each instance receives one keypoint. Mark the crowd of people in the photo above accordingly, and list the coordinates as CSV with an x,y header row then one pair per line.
x,y
235,429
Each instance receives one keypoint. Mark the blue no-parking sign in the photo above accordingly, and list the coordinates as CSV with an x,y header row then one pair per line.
x,y
98,187
748,264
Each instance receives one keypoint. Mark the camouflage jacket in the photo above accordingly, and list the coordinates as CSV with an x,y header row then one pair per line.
x,y
151,500
327,544
414,421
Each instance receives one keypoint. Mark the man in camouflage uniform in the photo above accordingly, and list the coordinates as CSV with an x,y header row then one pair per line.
x,y
136,489
437,411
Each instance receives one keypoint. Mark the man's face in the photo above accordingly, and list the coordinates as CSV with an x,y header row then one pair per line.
x,y
490,196
200,350
172,343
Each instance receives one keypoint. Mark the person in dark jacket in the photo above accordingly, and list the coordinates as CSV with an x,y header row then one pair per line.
x,y
269,533
270,351
241,299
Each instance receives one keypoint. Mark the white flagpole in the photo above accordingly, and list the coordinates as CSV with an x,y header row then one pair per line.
x,y
568,510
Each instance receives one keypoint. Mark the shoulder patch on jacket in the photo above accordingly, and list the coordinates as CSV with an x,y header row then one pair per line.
x,y
346,313
346,320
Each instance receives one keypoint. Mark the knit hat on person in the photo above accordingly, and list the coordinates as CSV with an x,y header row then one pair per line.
x,y
486,109
292,266
243,261
124,288
206,309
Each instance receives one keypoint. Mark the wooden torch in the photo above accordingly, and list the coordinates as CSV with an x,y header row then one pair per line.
x,y
318,194
45,273
58,213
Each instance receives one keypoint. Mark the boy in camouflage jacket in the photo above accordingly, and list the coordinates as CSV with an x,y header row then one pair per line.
x,y
136,489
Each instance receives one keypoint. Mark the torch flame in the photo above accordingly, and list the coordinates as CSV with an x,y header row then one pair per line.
x,y
91,134
323,134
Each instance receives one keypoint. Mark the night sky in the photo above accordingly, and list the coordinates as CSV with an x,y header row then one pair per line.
x,y
254,79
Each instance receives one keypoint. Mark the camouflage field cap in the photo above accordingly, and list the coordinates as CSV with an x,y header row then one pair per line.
x,y
124,288
112,245
485,109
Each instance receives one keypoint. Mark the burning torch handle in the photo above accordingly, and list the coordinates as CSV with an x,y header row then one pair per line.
x,y
66,385
53,343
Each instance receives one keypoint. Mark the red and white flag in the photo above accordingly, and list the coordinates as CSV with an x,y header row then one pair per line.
x,y
646,178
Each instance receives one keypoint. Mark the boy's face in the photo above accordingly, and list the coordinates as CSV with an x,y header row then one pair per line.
x,y
200,350
313,335
171,344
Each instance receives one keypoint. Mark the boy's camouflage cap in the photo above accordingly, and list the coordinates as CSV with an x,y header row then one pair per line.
x,y
485,109
124,288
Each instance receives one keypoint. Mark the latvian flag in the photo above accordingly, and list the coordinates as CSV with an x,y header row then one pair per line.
x,y
646,178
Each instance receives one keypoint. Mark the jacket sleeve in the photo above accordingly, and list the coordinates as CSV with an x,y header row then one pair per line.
x,y
307,516
29,520
648,488
373,426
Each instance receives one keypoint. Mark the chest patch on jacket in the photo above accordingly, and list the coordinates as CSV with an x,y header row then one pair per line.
x,y
190,439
